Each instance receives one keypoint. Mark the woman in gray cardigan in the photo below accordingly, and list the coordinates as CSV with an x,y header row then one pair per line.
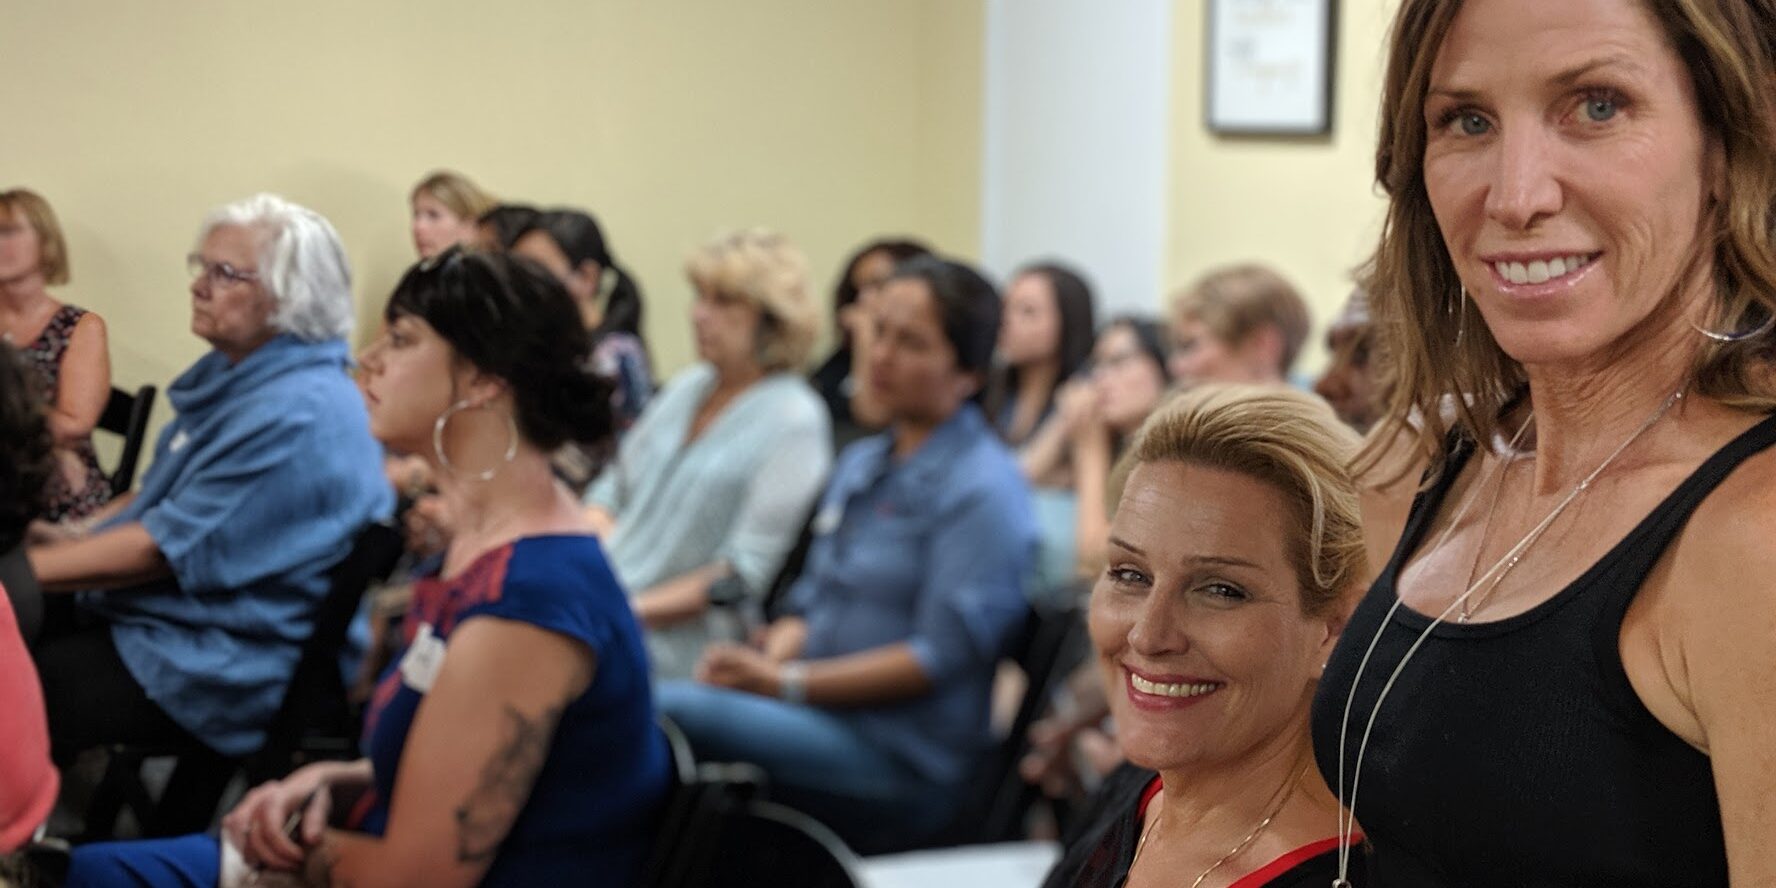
x,y
715,479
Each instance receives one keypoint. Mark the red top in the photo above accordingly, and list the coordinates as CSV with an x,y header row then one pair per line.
x,y
1262,875
28,781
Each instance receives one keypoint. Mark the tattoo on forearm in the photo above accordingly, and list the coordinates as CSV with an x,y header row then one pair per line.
x,y
484,818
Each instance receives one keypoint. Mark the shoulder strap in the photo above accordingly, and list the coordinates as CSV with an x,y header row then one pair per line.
x,y
1426,504
1655,534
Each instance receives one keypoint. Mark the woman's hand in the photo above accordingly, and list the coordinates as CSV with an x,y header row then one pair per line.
x,y
70,467
1076,405
411,475
740,668
257,825
429,525
43,533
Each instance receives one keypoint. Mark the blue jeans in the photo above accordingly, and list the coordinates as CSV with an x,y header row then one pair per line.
x,y
817,762
193,861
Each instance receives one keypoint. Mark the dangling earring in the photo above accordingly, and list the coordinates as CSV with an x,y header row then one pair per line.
x,y
438,440
1741,336
1461,316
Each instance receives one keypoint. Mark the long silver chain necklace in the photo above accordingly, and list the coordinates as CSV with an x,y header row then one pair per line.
x,y
1347,817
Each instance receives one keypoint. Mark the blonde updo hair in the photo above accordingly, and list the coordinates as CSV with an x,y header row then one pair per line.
x,y
461,196
763,268
1287,439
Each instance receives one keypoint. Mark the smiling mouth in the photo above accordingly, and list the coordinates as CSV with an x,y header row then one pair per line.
x,y
1182,689
1541,271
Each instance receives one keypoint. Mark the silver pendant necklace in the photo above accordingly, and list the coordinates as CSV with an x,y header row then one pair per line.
x,y
1347,816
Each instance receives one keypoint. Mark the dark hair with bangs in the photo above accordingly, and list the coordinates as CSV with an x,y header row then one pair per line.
x,y
510,318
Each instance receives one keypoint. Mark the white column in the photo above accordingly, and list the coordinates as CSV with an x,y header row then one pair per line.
x,y
1076,142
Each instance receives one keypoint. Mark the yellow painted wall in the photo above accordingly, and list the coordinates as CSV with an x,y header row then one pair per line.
x,y
1307,207
831,120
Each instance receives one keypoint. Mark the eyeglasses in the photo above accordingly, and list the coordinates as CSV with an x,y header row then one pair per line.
x,y
1113,362
217,272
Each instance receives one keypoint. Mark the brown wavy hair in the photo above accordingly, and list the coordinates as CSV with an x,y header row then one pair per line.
x,y
25,461
1729,49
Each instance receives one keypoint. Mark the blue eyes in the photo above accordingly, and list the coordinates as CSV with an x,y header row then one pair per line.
x,y
1473,124
1125,577
1221,592
1597,107
1224,591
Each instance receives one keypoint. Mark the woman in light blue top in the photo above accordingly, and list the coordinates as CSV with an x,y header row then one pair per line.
x,y
718,476
205,582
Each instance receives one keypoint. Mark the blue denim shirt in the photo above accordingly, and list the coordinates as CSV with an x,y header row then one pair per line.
x,y
933,552
257,488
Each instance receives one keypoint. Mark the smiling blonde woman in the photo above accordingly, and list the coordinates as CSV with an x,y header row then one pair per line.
x,y
1234,554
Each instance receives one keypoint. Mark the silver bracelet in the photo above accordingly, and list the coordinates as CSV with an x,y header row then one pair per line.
x,y
792,682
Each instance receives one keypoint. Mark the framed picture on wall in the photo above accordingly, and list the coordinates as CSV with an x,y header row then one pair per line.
x,y
1270,66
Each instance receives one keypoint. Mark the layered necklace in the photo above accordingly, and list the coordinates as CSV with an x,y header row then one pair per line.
x,y
1489,581
1282,797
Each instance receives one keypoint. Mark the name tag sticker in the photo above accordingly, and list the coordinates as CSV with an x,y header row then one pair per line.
x,y
425,656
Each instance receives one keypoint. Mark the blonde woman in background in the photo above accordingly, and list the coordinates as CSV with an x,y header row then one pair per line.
x,y
446,206
714,481
1243,323
65,345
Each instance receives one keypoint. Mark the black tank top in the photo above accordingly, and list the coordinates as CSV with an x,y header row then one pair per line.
x,y
1515,752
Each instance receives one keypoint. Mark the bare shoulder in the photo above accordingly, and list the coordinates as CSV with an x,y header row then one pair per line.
x,y
1714,602
1725,553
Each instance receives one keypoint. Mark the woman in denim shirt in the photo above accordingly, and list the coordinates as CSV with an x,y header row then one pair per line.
x,y
869,707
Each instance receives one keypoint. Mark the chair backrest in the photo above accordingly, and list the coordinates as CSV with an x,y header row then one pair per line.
x,y
733,838
762,843
127,415
679,826
1045,650
315,699
793,564
22,592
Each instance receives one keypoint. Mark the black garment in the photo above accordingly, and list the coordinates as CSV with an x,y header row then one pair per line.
x,y
832,380
90,696
1516,752
22,593
1099,847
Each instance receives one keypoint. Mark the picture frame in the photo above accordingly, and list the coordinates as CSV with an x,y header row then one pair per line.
x,y
1270,66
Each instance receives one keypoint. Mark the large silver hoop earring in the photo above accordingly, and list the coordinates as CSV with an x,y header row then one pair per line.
x,y
438,441
1741,336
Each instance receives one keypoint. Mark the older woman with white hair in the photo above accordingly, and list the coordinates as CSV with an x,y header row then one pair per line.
x,y
196,593
714,482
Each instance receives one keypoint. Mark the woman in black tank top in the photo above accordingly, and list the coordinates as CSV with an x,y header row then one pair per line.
x,y
1565,673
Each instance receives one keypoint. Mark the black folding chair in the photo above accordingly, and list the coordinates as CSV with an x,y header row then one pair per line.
x,y
126,415
1045,650
731,837
22,592
314,722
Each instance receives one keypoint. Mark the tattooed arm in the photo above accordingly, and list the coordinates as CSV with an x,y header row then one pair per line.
x,y
477,743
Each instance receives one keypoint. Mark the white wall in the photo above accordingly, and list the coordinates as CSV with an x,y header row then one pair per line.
x,y
1077,123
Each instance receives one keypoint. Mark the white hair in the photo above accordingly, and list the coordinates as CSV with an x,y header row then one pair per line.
x,y
302,264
